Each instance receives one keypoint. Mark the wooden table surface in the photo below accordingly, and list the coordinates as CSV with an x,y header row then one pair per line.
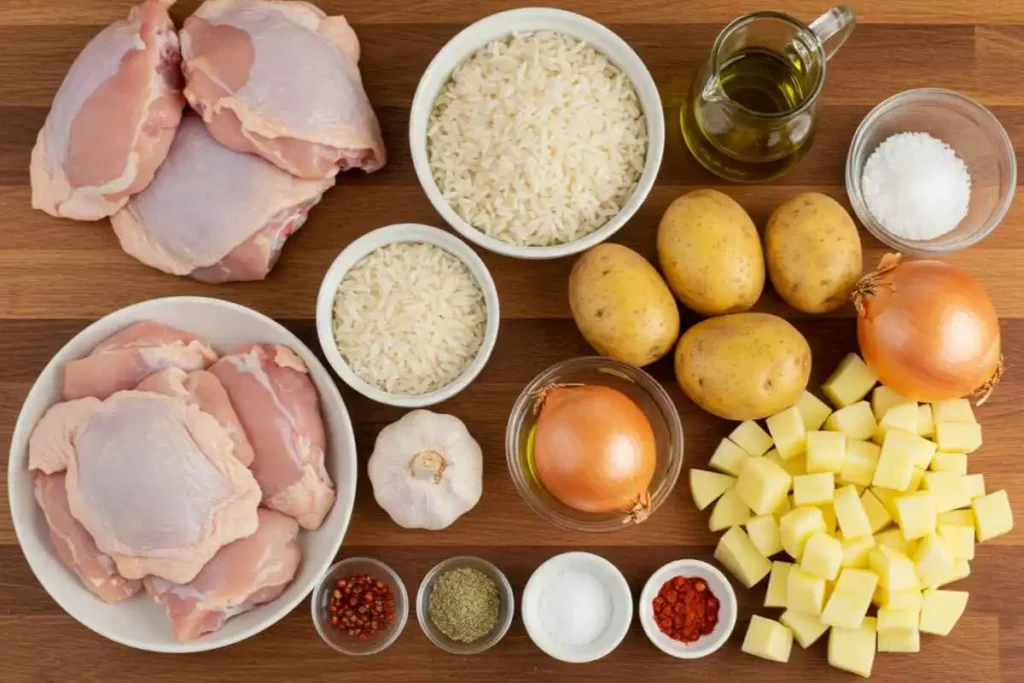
x,y
56,276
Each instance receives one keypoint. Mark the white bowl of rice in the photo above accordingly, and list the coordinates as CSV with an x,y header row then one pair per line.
x,y
407,315
537,133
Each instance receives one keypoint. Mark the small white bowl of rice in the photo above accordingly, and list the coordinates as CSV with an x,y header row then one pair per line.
x,y
537,133
407,315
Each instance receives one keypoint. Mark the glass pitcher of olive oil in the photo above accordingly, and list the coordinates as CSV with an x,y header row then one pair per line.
x,y
749,115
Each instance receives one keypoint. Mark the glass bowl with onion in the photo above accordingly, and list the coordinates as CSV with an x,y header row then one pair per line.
x,y
594,445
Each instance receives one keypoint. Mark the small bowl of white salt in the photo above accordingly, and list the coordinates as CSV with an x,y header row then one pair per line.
x,y
577,607
930,171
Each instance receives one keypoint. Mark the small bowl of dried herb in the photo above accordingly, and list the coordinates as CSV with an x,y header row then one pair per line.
x,y
465,605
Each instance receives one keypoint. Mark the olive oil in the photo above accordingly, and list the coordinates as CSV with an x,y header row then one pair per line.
x,y
763,81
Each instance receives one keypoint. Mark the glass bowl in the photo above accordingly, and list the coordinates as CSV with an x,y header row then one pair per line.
x,y
505,611
342,642
971,130
636,384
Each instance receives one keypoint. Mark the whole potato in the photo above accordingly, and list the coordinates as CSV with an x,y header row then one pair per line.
x,y
744,366
622,306
814,253
710,253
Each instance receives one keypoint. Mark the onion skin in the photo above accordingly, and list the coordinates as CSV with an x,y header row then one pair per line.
x,y
594,448
928,330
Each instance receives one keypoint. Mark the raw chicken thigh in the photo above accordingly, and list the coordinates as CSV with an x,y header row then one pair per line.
x,y
280,79
153,479
130,356
279,408
112,119
240,576
75,546
214,213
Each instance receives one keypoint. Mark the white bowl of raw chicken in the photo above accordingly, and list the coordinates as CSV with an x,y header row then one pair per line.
x,y
140,622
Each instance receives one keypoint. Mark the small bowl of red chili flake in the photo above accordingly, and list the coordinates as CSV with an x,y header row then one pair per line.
x,y
360,606
688,609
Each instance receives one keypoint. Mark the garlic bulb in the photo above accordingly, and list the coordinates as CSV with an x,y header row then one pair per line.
x,y
426,470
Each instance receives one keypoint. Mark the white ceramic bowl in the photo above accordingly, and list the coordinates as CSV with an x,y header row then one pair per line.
x,y
720,587
140,622
496,26
618,590
351,255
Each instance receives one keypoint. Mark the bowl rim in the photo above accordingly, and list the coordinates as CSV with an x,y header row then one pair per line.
x,y
493,26
346,491
853,180
397,626
370,242
723,630
504,587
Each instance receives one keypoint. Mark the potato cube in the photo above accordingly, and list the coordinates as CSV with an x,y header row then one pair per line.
x,y
855,421
795,466
890,619
962,517
778,582
895,570
860,462
806,628
813,410
853,520
895,463
975,485
813,489
887,497
728,511
903,417
850,599
957,410
900,641
947,489
940,610
805,593
828,513
764,533
992,515
737,552
878,515
925,421
768,639
785,507
855,551
960,539
823,555
902,600
826,452
933,561
893,538
916,514
950,462
883,398
729,458
853,650
762,485
750,437
788,432
961,570
850,383
797,525
706,487
958,437
916,479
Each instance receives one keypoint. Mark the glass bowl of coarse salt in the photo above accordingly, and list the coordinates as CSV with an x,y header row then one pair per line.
x,y
930,171
407,315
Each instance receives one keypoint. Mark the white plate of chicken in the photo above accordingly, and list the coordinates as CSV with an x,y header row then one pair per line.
x,y
181,474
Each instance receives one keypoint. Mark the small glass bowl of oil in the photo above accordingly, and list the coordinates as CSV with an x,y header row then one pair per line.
x,y
643,389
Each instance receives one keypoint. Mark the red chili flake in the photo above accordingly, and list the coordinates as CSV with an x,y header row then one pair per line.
x,y
685,609
361,606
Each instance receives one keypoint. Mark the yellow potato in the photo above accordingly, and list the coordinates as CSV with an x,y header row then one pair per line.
x,y
814,253
743,366
622,306
710,253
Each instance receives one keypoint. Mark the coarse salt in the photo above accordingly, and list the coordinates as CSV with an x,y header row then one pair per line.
x,y
916,186
575,608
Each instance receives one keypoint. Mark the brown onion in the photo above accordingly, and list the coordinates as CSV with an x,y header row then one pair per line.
x,y
928,330
594,449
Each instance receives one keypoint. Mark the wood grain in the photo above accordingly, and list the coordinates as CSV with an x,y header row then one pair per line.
x,y
57,276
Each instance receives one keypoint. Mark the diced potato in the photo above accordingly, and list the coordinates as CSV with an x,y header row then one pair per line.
x,y
788,432
797,525
762,485
903,600
853,650
764,533
992,515
813,410
850,383
933,561
890,619
948,490
925,421
895,463
887,497
878,515
737,552
806,628
883,398
940,610
957,410
814,489
850,513
960,539
795,466
961,570
900,641
950,462
916,479
958,437
729,511
805,592
785,507
729,458
778,585
893,538
826,452
916,514
768,639
706,487
828,513
850,599
895,570
902,417
975,485
962,517
855,421
855,551
750,437
860,462
823,555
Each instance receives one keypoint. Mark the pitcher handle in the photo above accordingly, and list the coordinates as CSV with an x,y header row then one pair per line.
x,y
833,28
